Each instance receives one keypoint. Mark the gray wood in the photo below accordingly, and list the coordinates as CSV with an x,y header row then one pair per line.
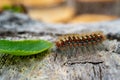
x,y
102,65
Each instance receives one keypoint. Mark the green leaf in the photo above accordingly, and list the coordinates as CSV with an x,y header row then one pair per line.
x,y
24,47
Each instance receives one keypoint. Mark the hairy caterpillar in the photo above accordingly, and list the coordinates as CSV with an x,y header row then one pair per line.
x,y
75,44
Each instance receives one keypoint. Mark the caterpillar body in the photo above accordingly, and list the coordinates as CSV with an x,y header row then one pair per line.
x,y
75,44
112,36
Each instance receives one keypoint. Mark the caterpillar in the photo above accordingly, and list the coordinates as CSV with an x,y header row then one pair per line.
x,y
75,44
112,36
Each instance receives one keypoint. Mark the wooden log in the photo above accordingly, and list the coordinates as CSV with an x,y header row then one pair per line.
x,y
103,65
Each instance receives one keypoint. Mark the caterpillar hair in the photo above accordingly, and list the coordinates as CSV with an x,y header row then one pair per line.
x,y
75,44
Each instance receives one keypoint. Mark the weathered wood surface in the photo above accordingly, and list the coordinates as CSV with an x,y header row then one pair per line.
x,y
103,65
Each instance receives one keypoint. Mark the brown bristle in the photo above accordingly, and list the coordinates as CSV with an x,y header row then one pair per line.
x,y
78,41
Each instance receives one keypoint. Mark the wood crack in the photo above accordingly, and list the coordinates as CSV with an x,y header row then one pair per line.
x,y
73,63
